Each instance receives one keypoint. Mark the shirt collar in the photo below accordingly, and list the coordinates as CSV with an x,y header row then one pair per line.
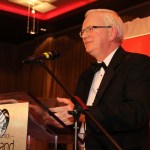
x,y
109,57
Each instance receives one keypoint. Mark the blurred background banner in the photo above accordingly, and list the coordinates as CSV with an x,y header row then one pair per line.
x,y
137,36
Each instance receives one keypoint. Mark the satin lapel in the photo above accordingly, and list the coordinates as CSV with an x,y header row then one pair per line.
x,y
88,82
116,60
105,82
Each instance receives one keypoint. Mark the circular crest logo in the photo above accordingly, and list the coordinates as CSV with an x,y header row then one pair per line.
x,y
4,121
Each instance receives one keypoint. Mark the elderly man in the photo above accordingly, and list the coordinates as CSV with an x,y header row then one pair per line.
x,y
118,94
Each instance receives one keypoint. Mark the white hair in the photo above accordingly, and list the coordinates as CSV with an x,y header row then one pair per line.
x,y
110,18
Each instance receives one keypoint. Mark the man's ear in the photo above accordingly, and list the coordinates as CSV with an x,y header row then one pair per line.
x,y
113,33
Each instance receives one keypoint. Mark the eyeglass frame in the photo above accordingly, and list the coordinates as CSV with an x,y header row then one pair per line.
x,y
91,29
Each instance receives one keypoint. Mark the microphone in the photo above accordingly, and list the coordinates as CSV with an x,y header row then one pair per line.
x,y
51,55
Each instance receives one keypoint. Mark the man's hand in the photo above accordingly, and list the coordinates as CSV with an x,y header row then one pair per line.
x,y
61,112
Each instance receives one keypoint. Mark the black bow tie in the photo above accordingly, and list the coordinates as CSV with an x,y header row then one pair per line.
x,y
97,66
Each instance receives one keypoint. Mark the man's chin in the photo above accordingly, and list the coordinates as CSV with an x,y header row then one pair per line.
x,y
89,51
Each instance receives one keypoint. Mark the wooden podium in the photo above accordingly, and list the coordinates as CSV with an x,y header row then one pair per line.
x,y
13,126
21,119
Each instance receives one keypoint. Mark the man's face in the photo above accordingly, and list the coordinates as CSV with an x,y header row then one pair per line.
x,y
96,39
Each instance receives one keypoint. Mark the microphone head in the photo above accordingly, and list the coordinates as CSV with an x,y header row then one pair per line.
x,y
51,55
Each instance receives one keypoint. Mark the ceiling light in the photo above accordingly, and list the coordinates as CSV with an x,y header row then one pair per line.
x,y
44,7
43,29
31,21
41,6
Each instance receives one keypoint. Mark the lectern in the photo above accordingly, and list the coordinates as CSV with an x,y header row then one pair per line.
x,y
21,118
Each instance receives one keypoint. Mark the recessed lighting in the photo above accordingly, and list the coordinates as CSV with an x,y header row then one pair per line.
x,y
43,29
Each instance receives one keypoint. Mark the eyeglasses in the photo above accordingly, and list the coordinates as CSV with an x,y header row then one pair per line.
x,y
90,28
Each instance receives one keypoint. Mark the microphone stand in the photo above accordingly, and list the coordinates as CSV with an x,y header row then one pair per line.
x,y
81,109
76,115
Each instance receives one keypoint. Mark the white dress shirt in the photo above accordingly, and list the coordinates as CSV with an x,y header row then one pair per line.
x,y
97,80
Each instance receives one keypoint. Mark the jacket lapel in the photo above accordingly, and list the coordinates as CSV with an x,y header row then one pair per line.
x,y
88,83
109,73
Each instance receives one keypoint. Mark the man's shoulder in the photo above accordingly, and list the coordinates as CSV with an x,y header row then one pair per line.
x,y
137,57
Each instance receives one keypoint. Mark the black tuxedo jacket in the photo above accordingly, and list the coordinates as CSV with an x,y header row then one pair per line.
x,y
122,103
